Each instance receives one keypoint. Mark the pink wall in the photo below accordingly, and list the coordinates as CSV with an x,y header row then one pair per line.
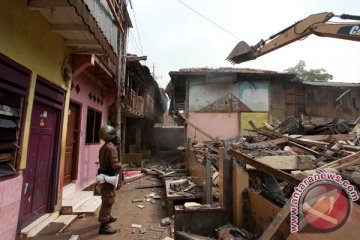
x,y
88,154
10,194
221,125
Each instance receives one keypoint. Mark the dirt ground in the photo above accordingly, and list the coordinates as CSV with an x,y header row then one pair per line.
x,y
128,213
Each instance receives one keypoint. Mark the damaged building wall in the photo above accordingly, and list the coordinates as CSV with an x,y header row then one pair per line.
x,y
227,125
261,214
325,96
222,98
168,138
316,99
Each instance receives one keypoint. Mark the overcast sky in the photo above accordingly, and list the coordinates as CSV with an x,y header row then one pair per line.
x,y
173,36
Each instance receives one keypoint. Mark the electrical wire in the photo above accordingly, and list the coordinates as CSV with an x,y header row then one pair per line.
x,y
134,43
209,20
137,29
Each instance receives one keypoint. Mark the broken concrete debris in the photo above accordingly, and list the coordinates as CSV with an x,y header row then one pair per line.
x,y
134,225
165,221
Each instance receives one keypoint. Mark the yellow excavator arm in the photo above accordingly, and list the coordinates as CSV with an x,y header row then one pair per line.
x,y
317,24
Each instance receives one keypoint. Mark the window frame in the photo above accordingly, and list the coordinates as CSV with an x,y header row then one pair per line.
x,y
97,119
15,79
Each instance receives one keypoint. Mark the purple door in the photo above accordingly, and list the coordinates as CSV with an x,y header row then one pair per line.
x,y
39,159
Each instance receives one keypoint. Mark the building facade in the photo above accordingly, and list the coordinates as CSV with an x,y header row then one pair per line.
x,y
221,102
53,54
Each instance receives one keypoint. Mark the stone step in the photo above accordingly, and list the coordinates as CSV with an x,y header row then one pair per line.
x,y
38,225
89,207
74,201
68,190
66,220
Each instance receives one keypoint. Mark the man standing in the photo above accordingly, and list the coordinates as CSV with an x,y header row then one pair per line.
x,y
110,166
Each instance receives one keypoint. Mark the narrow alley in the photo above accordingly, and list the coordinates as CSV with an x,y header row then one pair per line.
x,y
133,207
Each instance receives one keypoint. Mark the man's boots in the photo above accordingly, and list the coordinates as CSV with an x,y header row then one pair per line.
x,y
106,229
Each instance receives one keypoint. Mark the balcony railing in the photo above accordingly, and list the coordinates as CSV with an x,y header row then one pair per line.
x,y
135,106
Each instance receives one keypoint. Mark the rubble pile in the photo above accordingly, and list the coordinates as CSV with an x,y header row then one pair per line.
x,y
288,149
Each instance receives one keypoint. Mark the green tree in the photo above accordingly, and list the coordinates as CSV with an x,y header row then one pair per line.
x,y
313,75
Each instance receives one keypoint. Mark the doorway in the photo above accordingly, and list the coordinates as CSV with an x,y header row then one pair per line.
x,y
72,144
40,160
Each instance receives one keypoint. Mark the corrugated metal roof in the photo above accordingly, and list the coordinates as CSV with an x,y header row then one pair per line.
x,y
105,20
225,70
332,84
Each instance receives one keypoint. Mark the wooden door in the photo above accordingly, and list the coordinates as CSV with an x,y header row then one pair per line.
x,y
71,150
40,159
294,100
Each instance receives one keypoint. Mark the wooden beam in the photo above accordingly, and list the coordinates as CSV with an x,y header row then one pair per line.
x,y
89,50
276,223
69,28
265,168
240,184
329,138
271,143
82,43
293,162
221,175
343,162
36,4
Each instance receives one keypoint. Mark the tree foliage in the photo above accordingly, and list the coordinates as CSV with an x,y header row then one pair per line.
x,y
312,75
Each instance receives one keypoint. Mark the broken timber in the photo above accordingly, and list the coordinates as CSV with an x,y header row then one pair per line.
x,y
343,162
156,185
271,143
265,168
293,141
276,223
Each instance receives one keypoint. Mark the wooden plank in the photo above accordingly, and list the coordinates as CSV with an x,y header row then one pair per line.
x,y
270,143
262,212
351,148
69,28
276,223
304,148
196,170
265,168
158,170
33,4
155,185
208,190
293,162
189,236
330,138
81,43
221,175
240,184
343,162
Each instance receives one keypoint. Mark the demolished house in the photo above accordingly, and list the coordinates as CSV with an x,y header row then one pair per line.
x,y
251,137
144,106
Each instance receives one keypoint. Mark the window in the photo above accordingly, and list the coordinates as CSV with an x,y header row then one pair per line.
x,y
93,125
10,113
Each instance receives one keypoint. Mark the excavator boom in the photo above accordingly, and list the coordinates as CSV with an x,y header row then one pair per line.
x,y
317,24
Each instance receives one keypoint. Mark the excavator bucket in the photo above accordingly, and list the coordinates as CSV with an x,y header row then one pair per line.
x,y
241,53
